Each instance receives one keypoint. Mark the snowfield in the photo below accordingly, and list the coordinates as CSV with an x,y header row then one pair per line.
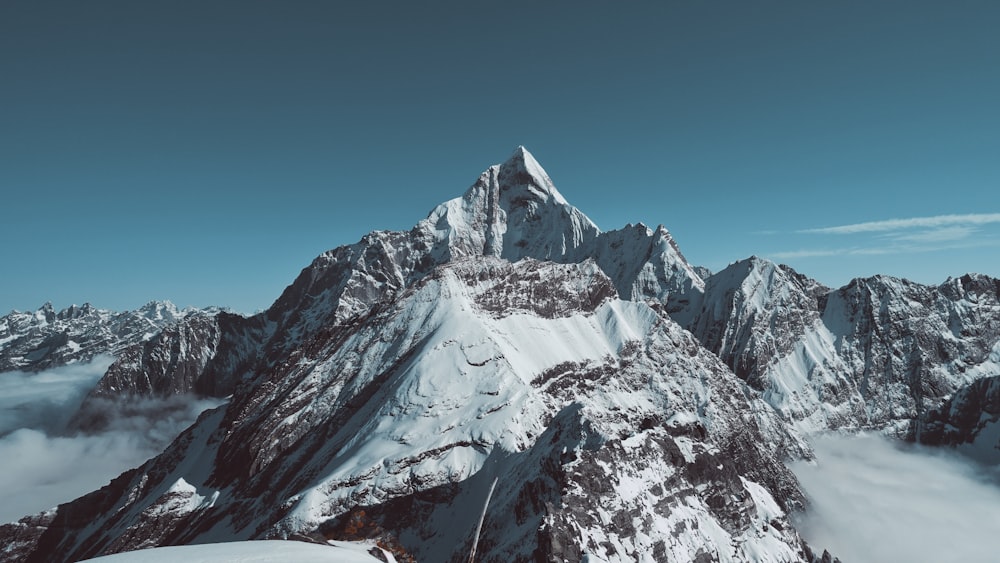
x,y
268,551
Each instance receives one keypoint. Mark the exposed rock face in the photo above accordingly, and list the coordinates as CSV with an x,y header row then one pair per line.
x,y
203,354
969,419
169,362
46,338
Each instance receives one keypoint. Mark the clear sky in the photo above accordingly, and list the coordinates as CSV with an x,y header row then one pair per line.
x,y
205,151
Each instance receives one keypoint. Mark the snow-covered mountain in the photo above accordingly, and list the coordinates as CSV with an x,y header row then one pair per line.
x,y
590,409
512,212
875,354
46,338
630,407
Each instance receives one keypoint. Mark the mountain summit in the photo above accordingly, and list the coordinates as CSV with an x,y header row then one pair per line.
x,y
513,211
522,162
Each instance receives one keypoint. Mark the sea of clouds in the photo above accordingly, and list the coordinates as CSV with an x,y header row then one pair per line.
x,y
876,500
47,460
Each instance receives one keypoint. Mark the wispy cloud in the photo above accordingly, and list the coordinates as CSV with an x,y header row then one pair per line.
x,y
912,246
911,223
942,234
818,253
902,236
857,251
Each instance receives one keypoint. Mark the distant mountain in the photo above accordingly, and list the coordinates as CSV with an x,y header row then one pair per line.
x,y
875,354
45,338
628,405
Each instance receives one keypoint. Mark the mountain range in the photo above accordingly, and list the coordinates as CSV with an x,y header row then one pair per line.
x,y
613,401
39,340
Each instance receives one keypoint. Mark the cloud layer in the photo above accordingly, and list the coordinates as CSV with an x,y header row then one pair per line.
x,y
46,400
874,500
44,465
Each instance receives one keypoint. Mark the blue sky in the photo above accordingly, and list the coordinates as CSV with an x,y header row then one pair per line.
x,y
205,152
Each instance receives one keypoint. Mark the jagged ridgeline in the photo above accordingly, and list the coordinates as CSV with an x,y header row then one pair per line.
x,y
36,341
628,405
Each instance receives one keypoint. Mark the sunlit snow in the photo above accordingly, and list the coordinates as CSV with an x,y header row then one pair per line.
x,y
268,551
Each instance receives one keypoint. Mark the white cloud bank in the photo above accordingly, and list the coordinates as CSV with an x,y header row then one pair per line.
x,y
874,501
46,400
43,466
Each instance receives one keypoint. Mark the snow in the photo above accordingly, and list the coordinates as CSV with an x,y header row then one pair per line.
x,y
265,551
183,497
434,409
6,339
538,173
795,378
465,376
498,217
846,358
989,367
534,344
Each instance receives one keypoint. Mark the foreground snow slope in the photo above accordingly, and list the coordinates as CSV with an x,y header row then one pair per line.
x,y
247,552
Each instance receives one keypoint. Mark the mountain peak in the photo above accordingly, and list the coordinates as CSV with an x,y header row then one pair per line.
x,y
513,211
522,170
522,155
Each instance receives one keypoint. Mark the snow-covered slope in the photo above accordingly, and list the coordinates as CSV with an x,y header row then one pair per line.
x,y
249,552
753,313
